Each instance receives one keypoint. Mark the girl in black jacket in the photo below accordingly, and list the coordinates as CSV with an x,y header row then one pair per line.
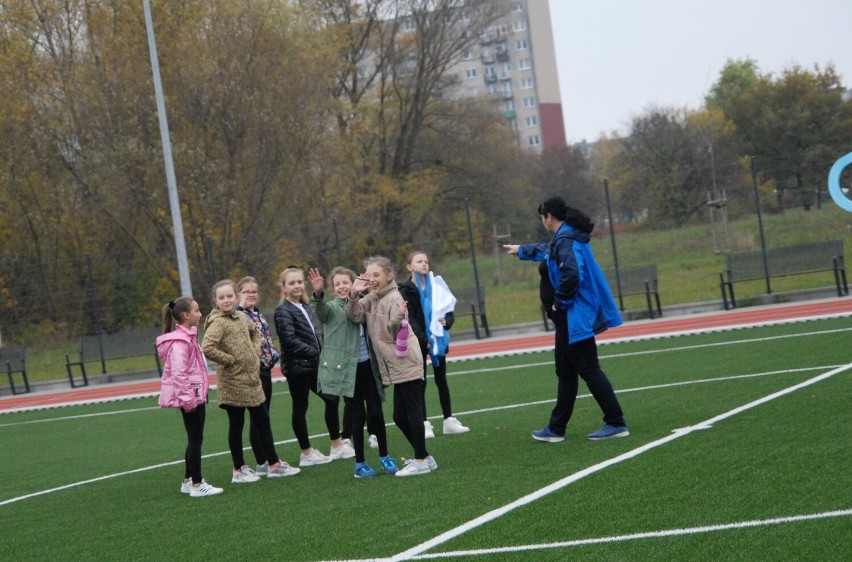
x,y
300,351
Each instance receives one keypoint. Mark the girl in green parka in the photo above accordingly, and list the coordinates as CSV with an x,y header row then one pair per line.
x,y
347,367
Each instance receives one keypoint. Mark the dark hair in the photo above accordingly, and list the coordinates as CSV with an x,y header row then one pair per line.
x,y
579,220
555,206
559,209
173,310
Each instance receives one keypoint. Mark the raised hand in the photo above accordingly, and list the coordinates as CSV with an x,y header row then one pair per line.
x,y
317,280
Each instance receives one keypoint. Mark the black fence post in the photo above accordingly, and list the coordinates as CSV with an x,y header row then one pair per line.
x,y
614,249
760,226
480,299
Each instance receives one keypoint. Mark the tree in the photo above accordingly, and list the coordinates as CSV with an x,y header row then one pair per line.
x,y
795,125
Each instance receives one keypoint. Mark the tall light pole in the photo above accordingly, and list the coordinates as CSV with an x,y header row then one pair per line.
x,y
174,201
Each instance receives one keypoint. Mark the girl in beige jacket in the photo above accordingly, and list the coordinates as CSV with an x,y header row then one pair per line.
x,y
233,342
375,300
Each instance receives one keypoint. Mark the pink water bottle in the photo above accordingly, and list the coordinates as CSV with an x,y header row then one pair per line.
x,y
402,339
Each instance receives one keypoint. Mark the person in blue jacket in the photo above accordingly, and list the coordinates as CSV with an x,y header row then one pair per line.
x,y
583,306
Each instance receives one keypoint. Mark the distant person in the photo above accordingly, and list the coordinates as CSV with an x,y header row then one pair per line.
x,y
582,307
300,353
249,294
348,369
430,314
233,342
375,300
184,386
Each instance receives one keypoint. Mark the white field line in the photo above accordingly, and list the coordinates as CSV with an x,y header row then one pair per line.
x,y
425,546
455,373
640,536
661,336
471,412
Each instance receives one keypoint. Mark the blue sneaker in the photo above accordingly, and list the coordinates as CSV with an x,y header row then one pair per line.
x,y
389,465
544,434
363,470
608,432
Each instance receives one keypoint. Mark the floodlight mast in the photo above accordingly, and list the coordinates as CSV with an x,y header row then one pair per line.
x,y
174,201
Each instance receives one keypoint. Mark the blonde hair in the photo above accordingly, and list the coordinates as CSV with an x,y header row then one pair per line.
x,y
384,263
283,278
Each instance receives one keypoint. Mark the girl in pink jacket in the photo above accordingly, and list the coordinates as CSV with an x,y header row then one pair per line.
x,y
184,385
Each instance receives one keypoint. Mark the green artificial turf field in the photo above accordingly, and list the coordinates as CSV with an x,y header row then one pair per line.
x,y
739,450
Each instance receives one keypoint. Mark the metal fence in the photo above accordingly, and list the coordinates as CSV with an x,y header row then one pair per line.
x,y
61,300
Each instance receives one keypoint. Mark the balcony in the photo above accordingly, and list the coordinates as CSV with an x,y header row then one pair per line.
x,y
511,114
502,55
490,78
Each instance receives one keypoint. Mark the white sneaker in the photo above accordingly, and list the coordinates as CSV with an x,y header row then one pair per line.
x,y
452,426
313,458
373,441
433,465
244,475
414,468
186,485
283,469
345,451
430,431
204,489
262,469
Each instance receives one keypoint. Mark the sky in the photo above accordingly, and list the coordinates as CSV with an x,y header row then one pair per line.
x,y
618,58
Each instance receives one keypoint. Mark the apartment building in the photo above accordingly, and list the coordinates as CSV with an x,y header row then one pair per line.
x,y
514,64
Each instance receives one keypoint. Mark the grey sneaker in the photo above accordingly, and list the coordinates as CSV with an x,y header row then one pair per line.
x,y
244,475
262,469
608,432
283,469
414,468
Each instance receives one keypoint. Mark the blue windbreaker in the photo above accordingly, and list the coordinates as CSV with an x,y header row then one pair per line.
x,y
580,286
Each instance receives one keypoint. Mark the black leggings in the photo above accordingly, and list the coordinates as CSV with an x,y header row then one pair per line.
x,y
440,372
260,419
366,393
300,388
194,423
254,432
408,415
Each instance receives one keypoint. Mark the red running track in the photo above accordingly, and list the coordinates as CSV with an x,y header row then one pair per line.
x,y
465,349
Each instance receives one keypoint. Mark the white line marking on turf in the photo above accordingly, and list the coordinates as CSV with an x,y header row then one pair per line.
x,y
94,401
559,484
471,412
640,536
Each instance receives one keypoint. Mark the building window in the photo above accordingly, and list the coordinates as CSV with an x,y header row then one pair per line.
x,y
464,16
409,25
525,64
519,25
522,45
527,83
510,105
513,124
529,102
491,88
533,140
470,73
506,68
473,92
468,54
532,121
517,7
